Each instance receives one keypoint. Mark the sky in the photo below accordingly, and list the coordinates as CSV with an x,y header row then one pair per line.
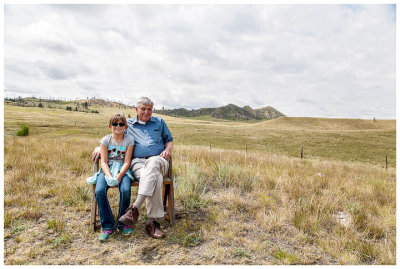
x,y
336,61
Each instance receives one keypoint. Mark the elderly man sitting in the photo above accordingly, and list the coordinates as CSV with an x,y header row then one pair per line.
x,y
152,149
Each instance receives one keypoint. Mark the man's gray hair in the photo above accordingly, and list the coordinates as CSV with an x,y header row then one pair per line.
x,y
144,101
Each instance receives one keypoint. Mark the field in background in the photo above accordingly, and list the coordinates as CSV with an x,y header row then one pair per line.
x,y
266,206
355,140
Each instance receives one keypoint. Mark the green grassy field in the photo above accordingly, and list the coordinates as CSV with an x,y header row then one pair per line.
x,y
356,140
263,206
334,139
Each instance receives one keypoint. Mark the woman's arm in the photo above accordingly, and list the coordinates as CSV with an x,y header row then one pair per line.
x,y
127,163
104,160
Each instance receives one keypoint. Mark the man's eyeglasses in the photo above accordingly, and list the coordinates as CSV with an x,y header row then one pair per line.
x,y
115,124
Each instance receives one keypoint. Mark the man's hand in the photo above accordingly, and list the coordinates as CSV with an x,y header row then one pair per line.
x,y
96,154
166,154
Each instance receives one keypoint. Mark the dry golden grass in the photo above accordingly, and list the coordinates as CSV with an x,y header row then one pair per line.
x,y
232,207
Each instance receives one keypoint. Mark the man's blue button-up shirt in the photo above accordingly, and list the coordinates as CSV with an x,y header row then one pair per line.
x,y
150,138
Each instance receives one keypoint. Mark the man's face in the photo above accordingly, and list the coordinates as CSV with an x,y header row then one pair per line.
x,y
144,112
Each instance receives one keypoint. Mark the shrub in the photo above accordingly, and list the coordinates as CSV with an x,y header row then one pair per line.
x,y
40,105
17,229
238,252
24,131
56,225
7,219
193,239
281,254
62,240
83,193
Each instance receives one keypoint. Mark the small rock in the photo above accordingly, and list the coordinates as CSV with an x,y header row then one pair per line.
x,y
343,218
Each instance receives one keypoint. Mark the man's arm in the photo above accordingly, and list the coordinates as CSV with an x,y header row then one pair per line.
x,y
166,154
96,154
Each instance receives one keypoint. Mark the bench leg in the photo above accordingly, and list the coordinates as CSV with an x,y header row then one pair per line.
x,y
93,212
165,194
171,204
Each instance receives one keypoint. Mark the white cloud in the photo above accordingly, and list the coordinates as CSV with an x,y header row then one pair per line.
x,y
304,60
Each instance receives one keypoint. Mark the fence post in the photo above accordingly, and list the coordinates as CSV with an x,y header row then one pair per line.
x,y
246,147
386,162
301,154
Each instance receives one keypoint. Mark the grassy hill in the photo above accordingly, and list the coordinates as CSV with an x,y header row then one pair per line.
x,y
85,105
228,112
264,206
332,139
328,124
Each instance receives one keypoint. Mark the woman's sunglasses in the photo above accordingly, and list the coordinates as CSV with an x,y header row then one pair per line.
x,y
115,124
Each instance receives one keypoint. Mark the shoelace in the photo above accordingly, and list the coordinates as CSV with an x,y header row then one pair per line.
x,y
126,227
108,232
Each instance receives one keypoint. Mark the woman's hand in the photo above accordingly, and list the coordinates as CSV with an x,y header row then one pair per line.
x,y
119,178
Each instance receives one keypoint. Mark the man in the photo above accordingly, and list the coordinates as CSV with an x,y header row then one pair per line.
x,y
152,150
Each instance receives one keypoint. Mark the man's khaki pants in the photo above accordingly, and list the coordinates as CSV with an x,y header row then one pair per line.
x,y
150,173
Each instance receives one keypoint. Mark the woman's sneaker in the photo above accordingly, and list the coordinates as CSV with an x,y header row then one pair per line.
x,y
105,235
126,230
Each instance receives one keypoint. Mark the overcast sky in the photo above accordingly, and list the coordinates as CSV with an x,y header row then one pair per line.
x,y
304,60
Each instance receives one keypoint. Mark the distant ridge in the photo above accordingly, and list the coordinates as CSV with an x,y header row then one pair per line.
x,y
228,112
79,105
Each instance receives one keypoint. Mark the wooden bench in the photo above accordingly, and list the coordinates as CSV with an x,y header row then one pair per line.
x,y
167,195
